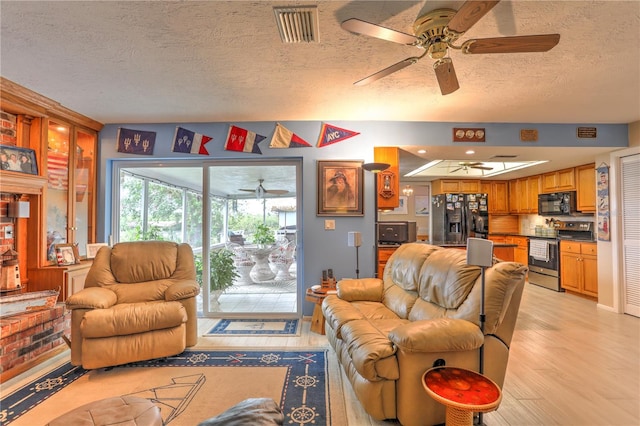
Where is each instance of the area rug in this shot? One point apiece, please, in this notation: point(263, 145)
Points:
point(189, 387)
point(255, 327)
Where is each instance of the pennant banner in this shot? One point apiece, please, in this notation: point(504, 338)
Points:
point(331, 134)
point(285, 138)
point(242, 140)
point(136, 141)
point(190, 142)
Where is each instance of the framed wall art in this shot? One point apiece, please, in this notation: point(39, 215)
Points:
point(340, 188)
point(403, 206)
point(67, 254)
point(16, 159)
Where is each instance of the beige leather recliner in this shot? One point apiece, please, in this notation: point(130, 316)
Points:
point(139, 303)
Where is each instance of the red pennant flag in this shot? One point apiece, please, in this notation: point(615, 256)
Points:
point(331, 134)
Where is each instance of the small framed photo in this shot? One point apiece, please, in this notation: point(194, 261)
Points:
point(402, 206)
point(16, 159)
point(340, 188)
point(67, 254)
point(92, 249)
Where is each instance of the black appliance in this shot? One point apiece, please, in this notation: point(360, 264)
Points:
point(456, 217)
point(396, 232)
point(557, 203)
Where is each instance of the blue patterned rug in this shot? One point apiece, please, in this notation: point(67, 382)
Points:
point(256, 327)
point(188, 388)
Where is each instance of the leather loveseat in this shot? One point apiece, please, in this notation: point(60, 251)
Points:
point(425, 310)
point(139, 303)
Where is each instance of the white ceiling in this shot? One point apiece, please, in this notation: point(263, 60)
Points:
point(218, 61)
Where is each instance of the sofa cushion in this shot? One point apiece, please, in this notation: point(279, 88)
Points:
point(127, 267)
point(338, 312)
point(446, 279)
point(369, 347)
point(132, 318)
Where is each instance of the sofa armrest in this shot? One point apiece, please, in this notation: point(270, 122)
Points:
point(182, 289)
point(363, 289)
point(437, 335)
point(92, 298)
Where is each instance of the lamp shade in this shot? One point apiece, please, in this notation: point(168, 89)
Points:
point(375, 167)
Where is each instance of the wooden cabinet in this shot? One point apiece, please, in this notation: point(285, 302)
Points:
point(388, 181)
point(523, 195)
point(462, 186)
point(384, 253)
point(498, 196)
point(70, 279)
point(579, 267)
point(65, 144)
point(521, 252)
point(560, 180)
point(586, 188)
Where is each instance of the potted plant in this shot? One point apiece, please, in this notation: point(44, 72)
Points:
point(263, 236)
point(222, 273)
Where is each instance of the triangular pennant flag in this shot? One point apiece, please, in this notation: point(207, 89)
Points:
point(331, 134)
point(243, 140)
point(189, 142)
point(285, 138)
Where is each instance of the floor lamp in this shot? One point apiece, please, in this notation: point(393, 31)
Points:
point(480, 253)
point(375, 168)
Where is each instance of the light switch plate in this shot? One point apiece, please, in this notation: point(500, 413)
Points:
point(329, 224)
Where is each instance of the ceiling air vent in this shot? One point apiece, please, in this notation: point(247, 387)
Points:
point(502, 157)
point(297, 24)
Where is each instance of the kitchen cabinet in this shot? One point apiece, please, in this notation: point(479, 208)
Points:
point(384, 253)
point(579, 267)
point(523, 195)
point(586, 188)
point(559, 180)
point(498, 196)
point(521, 252)
point(461, 186)
point(70, 278)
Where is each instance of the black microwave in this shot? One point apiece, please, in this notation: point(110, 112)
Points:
point(557, 203)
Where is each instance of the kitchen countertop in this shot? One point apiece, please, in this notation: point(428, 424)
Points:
point(450, 244)
point(542, 237)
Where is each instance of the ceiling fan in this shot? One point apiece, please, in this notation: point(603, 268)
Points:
point(260, 191)
point(436, 31)
point(465, 165)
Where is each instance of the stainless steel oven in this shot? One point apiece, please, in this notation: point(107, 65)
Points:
point(544, 263)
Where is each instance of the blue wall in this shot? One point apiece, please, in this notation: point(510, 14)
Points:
point(328, 249)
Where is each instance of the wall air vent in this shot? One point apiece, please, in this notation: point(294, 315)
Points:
point(297, 24)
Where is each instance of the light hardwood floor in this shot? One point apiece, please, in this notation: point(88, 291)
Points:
point(570, 364)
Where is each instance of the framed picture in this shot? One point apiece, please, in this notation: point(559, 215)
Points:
point(16, 159)
point(402, 206)
point(340, 188)
point(92, 249)
point(67, 254)
point(422, 203)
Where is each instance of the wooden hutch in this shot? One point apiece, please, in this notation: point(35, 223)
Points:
point(61, 196)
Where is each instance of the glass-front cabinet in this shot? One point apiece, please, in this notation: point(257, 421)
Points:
point(70, 169)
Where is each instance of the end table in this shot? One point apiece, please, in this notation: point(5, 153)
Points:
point(462, 391)
point(317, 320)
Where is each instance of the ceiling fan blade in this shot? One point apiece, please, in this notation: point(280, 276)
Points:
point(276, 191)
point(481, 167)
point(517, 44)
point(470, 13)
point(359, 26)
point(455, 170)
point(446, 75)
point(247, 190)
point(385, 72)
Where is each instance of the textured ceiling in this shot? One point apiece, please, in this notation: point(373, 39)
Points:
point(132, 62)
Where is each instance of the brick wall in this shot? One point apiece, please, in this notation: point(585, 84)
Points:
point(26, 336)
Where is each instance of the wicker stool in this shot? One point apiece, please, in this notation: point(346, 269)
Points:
point(463, 392)
point(112, 411)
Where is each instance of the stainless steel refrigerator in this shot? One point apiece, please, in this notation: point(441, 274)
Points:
point(455, 217)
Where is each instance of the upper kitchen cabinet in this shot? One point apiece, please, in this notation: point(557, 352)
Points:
point(498, 195)
point(560, 180)
point(458, 186)
point(586, 188)
point(523, 195)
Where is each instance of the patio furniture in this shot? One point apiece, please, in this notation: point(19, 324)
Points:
point(281, 259)
point(243, 263)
